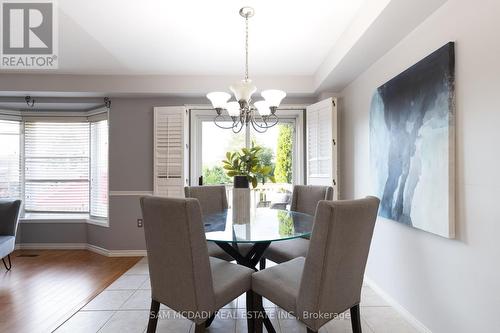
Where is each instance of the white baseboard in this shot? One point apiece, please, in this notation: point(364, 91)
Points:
point(81, 246)
point(398, 307)
point(51, 246)
point(116, 253)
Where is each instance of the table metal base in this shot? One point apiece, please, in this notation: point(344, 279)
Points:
point(250, 260)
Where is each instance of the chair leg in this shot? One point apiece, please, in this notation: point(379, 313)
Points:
point(210, 320)
point(153, 316)
point(200, 328)
point(261, 316)
point(10, 264)
point(262, 264)
point(355, 319)
point(250, 312)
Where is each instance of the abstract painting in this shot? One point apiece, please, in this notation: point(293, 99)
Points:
point(412, 144)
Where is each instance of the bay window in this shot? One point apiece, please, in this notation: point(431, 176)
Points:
point(56, 166)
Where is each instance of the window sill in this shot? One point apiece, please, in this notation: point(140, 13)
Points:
point(101, 222)
point(62, 218)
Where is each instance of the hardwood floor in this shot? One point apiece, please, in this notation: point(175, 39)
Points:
point(45, 287)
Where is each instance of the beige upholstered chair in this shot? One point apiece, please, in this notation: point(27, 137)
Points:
point(183, 276)
point(305, 198)
point(328, 281)
point(213, 199)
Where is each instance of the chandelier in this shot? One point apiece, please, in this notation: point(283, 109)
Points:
point(243, 112)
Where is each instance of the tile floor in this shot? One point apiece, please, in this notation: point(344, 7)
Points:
point(124, 307)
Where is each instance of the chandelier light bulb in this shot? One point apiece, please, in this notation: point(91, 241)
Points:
point(243, 90)
point(273, 97)
point(233, 108)
point(263, 108)
point(218, 99)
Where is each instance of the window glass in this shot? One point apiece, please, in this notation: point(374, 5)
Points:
point(278, 144)
point(56, 167)
point(10, 163)
point(99, 168)
point(215, 143)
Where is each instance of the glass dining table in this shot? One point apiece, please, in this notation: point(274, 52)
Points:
point(265, 226)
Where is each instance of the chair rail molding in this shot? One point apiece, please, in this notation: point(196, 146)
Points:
point(129, 193)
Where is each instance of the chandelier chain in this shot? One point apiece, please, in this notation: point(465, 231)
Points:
point(246, 48)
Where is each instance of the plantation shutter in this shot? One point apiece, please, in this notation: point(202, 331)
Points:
point(321, 135)
point(99, 168)
point(10, 159)
point(170, 151)
point(56, 166)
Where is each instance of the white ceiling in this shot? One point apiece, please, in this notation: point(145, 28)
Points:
point(198, 37)
point(190, 47)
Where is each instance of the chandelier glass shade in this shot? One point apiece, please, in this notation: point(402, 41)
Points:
point(242, 111)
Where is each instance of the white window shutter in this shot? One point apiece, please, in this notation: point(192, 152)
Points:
point(321, 135)
point(170, 151)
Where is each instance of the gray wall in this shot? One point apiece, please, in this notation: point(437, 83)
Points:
point(52, 233)
point(130, 169)
point(451, 286)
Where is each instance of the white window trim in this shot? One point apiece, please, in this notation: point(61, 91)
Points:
point(96, 220)
point(200, 113)
point(87, 116)
point(58, 218)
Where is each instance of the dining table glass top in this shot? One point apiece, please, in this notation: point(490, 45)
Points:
point(264, 225)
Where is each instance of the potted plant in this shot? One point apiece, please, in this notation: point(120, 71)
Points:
point(246, 167)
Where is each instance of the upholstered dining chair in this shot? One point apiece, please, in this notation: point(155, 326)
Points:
point(305, 198)
point(182, 275)
point(9, 218)
point(328, 280)
point(213, 199)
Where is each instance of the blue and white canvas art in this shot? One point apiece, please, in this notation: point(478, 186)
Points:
point(412, 144)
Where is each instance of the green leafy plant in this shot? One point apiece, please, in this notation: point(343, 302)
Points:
point(247, 162)
point(215, 175)
point(286, 226)
point(283, 170)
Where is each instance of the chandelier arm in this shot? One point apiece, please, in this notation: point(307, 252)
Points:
point(256, 116)
point(235, 127)
point(217, 119)
point(258, 128)
point(262, 121)
point(268, 124)
point(274, 118)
